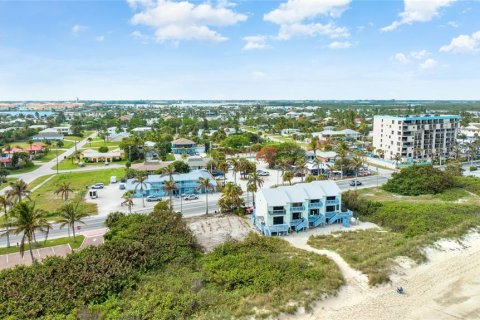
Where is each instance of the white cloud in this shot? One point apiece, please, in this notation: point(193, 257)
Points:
point(453, 24)
point(463, 44)
point(428, 64)
point(143, 38)
point(184, 20)
point(289, 31)
point(401, 57)
point(100, 38)
point(418, 11)
point(77, 29)
point(340, 45)
point(419, 54)
point(291, 17)
point(255, 42)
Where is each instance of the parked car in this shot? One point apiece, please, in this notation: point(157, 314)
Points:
point(97, 186)
point(122, 186)
point(113, 179)
point(153, 198)
point(190, 197)
point(263, 173)
point(354, 183)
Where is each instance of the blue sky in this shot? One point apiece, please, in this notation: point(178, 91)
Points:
point(288, 49)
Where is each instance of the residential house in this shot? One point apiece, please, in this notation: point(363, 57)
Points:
point(141, 129)
point(327, 156)
point(48, 135)
point(184, 146)
point(299, 207)
point(345, 134)
point(197, 162)
point(150, 167)
point(90, 155)
point(6, 155)
point(186, 183)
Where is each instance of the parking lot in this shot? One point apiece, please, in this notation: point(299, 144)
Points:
point(13, 259)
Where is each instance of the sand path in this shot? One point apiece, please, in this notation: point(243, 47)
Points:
point(447, 287)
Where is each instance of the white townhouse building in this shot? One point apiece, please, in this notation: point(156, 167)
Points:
point(305, 205)
point(415, 137)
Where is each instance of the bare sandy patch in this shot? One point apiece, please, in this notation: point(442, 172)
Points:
point(211, 231)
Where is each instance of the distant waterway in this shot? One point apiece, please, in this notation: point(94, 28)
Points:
point(31, 113)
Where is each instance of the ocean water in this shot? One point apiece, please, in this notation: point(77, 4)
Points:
point(28, 113)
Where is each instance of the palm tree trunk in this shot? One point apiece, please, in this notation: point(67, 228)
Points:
point(30, 249)
point(171, 203)
point(253, 194)
point(143, 199)
point(206, 201)
point(73, 231)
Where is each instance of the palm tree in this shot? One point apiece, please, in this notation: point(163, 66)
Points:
point(357, 163)
point(206, 185)
point(287, 177)
point(254, 182)
point(317, 161)
point(231, 197)
point(5, 203)
point(397, 159)
point(28, 219)
point(18, 190)
point(141, 183)
point(235, 162)
point(169, 187)
point(128, 200)
point(169, 170)
point(71, 213)
point(223, 167)
point(314, 145)
point(64, 190)
point(301, 168)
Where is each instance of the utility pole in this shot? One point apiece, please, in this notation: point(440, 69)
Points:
point(56, 153)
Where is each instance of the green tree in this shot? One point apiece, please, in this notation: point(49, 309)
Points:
point(231, 198)
point(140, 182)
point(64, 190)
point(71, 213)
point(128, 200)
point(4, 204)
point(18, 191)
point(254, 183)
point(205, 184)
point(28, 220)
point(287, 177)
point(169, 187)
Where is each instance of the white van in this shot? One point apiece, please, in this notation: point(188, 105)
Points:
point(113, 179)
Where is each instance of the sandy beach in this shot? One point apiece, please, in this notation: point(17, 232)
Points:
point(445, 287)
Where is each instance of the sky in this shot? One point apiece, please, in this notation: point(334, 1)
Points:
point(239, 49)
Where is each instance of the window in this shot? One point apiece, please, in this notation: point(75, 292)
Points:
point(277, 220)
point(296, 216)
point(331, 198)
point(330, 209)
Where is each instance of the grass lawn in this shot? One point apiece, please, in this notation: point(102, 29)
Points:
point(409, 222)
point(74, 138)
point(24, 170)
point(50, 243)
point(46, 199)
point(454, 194)
point(25, 144)
point(5, 184)
point(100, 143)
point(37, 181)
point(170, 157)
point(67, 164)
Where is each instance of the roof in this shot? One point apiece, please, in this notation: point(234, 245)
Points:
point(151, 165)
point(284, 195)
point(49, 134)
point(326, 154)
point(194, 175)
point(196, 161)
point(182, 141)
point(94, 153)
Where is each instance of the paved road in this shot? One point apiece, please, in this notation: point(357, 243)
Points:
point(46, 168)
point(189, 208)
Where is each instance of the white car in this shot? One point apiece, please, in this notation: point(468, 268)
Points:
point(190, 197)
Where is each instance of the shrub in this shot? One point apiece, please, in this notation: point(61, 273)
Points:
point(103, 149)
point(473, 168)
point(417, 180)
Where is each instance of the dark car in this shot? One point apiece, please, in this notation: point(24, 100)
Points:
point(354, 183)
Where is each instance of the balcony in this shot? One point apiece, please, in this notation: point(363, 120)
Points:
point(330, 202)
point(315, 205)
point(277, 212)
point(297, 208)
